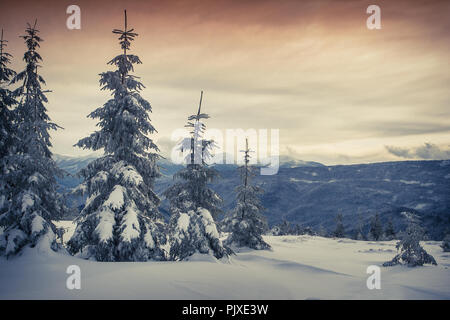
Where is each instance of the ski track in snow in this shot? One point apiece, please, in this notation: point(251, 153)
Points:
point(298, 267)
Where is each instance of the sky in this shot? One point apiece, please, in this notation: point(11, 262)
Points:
point(338, 92)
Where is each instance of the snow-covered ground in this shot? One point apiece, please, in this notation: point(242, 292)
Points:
point(298, 267)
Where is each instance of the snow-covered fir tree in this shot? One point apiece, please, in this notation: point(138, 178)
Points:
point(410, 252)
point(282, 229)
point(286, 228)
point(120, 220)
point(307, 231)
point(389, 233)
point(322, 232)
point(35, 201)
point(191, 191)
point(359, 233)
point(376, 229)
point(339, 232)
point(193, 205)
point(7, 100)
point(195, 231)
point(274, 231)
point(247, 224)
point(7, 130)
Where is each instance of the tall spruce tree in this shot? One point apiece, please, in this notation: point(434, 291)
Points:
point(247, 224)
point(322, 231)
point(339, 232)
point(193, 205)
point(358, 233)
point(192, 191)
point(376, 229)
point(389, 233)
point(34, 198)
point(7, 132)
point(120, 220)
point(284, 228)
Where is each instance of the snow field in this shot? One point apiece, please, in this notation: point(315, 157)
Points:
point(298, 267)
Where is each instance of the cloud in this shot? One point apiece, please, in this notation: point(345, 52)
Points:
point(309, 68)
point(399, 152)
point(389, 128)
point(428, 151)
point(165, 145)
point(432, 151)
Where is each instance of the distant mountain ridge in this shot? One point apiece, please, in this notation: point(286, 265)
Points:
point(311, 194)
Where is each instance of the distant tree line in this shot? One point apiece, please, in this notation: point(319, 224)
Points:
point(377, 231)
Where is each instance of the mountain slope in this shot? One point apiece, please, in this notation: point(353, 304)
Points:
point(312, 194)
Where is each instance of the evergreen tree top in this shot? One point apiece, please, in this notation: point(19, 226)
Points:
point(124, 119)
point(126, 35)
point(200, 148)
point(194, 121)
point(193, 192)
point(32, 41)
point(31, 113)
point(124, 62)
point(246, 171)
point(7, 100)
point(246, 152)
point(5, 73)
point(31, 79)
